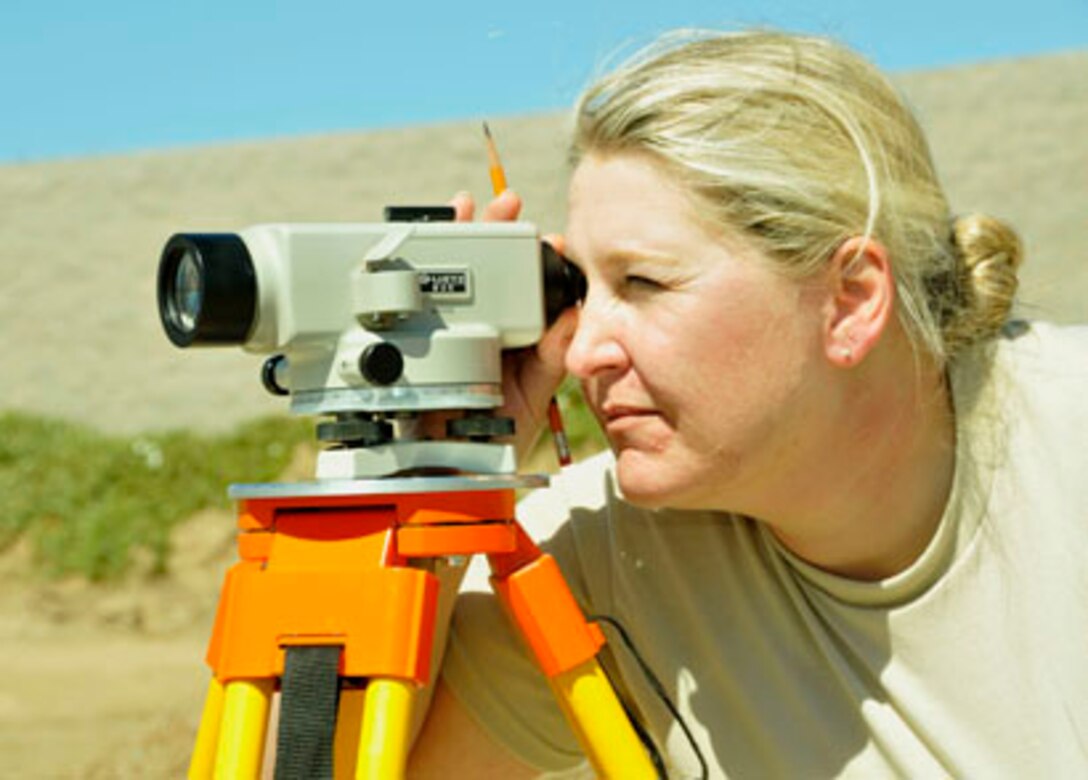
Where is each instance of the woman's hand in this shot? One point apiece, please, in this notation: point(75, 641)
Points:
point(531, 375)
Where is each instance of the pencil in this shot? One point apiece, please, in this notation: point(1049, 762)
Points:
point(498, 175)
point(555, 418)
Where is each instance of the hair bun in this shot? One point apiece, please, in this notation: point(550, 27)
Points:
point(989, 254)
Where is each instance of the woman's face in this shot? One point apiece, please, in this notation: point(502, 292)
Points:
point(694, 354)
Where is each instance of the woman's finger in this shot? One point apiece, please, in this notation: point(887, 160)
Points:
point(552, 347)
point(504, 208)
point(557, 242)
point(464, 206)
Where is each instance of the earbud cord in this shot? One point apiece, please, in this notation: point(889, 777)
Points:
point(659, 690)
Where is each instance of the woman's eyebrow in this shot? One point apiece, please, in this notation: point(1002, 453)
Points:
point(628, 253)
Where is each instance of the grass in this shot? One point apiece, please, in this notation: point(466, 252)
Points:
point(583, 433)
point(88, 504)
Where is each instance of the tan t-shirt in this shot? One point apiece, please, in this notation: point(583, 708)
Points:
point(971, 663)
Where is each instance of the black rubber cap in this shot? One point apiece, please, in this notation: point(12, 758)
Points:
point(564, 283)
point(381, 363)
point(207, 289)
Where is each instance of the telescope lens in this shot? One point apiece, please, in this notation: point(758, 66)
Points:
point(207, 289)
point(188, 291)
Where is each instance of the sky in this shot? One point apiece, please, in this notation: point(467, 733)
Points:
point(94, 78)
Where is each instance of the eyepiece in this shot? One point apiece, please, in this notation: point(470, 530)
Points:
point(564, 283)
point(207, 289)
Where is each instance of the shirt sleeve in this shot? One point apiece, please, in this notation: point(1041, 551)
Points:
point(489, 669)
point(491, 674)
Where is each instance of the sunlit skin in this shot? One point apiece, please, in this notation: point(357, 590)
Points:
point(723, 384)
point(690, 349)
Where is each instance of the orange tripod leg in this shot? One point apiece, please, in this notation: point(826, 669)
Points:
point(540, 603)
point(325, 570)
point(335, 570)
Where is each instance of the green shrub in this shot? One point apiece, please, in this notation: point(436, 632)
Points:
point(583, 433)
point(87, 502)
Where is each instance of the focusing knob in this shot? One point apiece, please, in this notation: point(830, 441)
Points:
point(381, 363)
point(355, 431)
point(480, 427)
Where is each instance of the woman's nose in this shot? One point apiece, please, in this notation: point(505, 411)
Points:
point(595, 348)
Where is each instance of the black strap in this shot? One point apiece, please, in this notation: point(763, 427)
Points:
point(311, 693)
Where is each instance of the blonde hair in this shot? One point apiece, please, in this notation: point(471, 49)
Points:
point(801, 143)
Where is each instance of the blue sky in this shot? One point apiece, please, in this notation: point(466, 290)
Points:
point(79, 78)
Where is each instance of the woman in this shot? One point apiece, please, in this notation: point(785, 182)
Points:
point(843, 514)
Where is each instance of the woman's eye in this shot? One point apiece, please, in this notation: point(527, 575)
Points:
point(641, 282)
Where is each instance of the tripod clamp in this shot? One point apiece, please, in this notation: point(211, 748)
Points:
point(341, 563)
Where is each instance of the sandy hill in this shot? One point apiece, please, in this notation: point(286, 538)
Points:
point(79, 334)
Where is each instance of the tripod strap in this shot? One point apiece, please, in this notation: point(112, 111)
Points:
point(311, 691)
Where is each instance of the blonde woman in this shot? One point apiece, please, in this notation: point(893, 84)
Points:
point(844, 515)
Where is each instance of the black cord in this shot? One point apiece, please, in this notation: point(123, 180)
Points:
point(643, 735)
point(661, 693)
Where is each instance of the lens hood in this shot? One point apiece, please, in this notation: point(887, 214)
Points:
point(207, 289)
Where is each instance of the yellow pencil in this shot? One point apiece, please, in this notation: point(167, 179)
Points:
point(555, 419)
point(498, 175)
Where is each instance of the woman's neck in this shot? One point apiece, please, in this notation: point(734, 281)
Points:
point(872, 500)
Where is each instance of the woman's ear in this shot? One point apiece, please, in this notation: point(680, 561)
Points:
point(861, 298)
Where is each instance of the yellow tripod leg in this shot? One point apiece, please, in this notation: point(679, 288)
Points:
point(387, 729)
point(349, 725)
point(242, 734)
point(207, 737)
point(594, 711)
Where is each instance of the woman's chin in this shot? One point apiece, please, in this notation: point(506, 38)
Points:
point(659, 480)
point(646, 481)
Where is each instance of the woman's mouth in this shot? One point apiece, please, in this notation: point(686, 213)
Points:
point(620, 417)
point(612, 411)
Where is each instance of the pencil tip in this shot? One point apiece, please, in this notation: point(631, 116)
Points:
point(487, 130)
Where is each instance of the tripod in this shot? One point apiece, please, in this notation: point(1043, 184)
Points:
point(337, 571)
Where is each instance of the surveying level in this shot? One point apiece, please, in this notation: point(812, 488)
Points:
point(333, 600)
